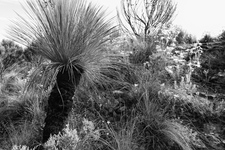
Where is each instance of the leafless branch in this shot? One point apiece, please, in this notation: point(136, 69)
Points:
point(145, 16)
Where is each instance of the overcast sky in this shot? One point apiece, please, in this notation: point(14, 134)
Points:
point(197, 17)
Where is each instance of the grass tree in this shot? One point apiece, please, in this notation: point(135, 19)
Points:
point(71, 34)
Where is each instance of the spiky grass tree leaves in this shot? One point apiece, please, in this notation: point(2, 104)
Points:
point(71, 34)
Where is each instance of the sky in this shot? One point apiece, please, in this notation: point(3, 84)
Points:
point(197, 17)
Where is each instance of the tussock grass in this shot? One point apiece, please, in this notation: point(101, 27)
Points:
point(21, 114)
point(157, 131)
point(124, 138)
point(21, 122)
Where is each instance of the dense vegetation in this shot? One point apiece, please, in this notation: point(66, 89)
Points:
point(124, 91)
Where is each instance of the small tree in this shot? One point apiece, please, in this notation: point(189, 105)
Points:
point(221, 37)
point(185, 38)
point(180, 37)
point(71, 34)
point(206, 39)
point(146, 17)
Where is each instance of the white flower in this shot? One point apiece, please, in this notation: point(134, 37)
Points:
point(69, 139)
point(71, 133)
point(16, 147)
point(135, 85)
point(88, 125)
point(89, 129)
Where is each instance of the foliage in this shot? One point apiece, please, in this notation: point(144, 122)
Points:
point(211, 73)
point(221, 37)
point(156, 131)
point(185, 38)
point(21, 114)
point(180, 38)
point(9, 47)
point(12, 54)
point(206, 39)
point(163, 116)
point(141, 53)
point(71, 49)
point(190, 39)
point(68, 141)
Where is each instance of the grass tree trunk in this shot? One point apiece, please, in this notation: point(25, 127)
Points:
point(60, 102)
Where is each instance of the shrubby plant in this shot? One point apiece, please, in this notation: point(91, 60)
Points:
point(183, 37)
point(68, 140)
point(20, 147)
point(71, 55)
point(221, 37)
point(206, 39)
